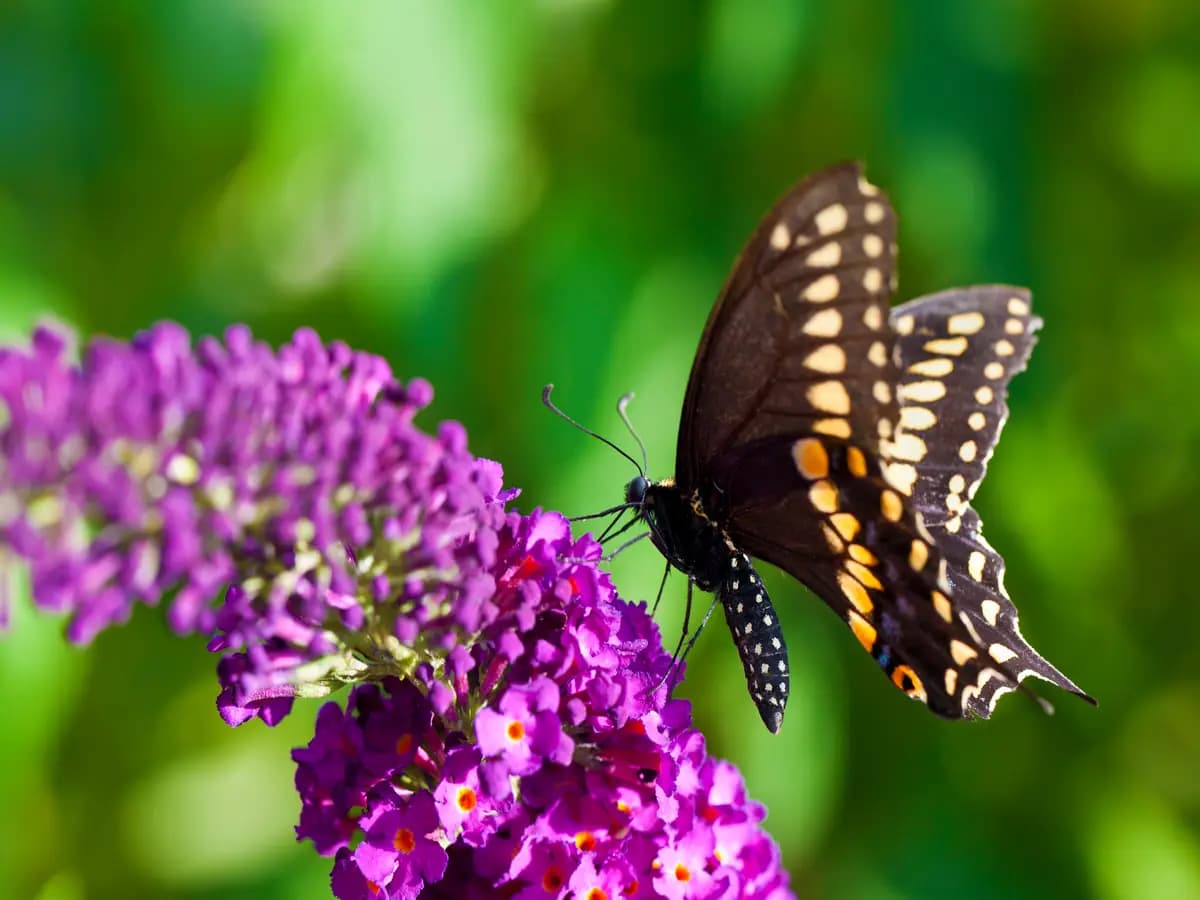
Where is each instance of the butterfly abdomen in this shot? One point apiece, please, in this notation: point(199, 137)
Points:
point(758, 637)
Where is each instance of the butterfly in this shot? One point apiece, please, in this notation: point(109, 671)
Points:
point(843, 443)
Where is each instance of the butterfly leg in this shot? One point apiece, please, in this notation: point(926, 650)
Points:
point(682, 650)
point(619, 508)
point(609, 557)
point(609, 531)
point(696, 634)
point(662, 585)
point(683, 633)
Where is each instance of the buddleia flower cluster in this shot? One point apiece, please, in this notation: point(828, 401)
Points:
point(506, 729)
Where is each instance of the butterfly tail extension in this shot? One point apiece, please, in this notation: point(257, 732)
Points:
point(976, 575)
point(759, 639)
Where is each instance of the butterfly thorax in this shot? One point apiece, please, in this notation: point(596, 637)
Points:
point(682, 531)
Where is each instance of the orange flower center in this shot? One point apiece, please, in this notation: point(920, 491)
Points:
point(404, 744)
point(515, 731)
point(552, 880)
point(585, 841)
point(596, 894)
point(466, 799)
point(682, 873)
point(630, 889)
point(404, 841)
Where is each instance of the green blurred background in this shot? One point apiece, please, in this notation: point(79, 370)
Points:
point(500, 195)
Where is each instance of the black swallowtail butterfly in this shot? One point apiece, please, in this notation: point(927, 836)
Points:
point(844, 444)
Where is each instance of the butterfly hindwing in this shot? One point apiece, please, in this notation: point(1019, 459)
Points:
point(956, 352)
point(873, 562)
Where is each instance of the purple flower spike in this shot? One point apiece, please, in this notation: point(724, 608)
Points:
point(507, 731)
point(194, 465)
point(554, 760)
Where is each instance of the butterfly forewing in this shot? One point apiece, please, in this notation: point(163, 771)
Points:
point(798, 343)
point(956, 351)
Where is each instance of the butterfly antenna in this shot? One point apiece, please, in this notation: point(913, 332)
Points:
point(549, 404)
point(623, 412)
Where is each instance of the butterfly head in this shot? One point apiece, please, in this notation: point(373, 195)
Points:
point(648, 496)
point(635, 491)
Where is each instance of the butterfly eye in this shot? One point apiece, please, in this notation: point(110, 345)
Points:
point(635, 491)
